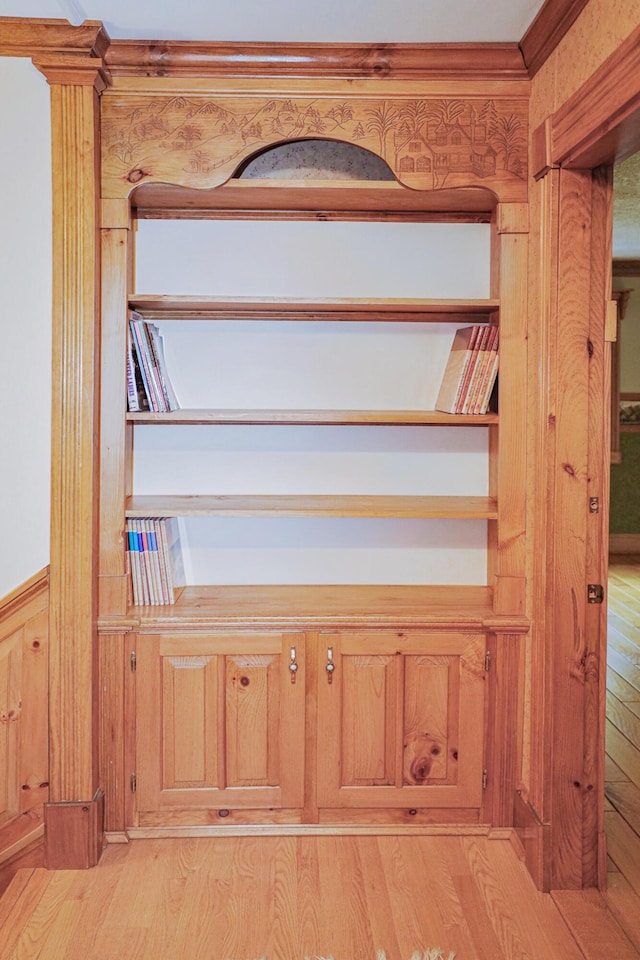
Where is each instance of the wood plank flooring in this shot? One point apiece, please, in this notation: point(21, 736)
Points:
point(622, 775)
point(353, 898)
point(288, 898)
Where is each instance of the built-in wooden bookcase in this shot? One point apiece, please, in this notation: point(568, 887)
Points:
point(315, 702)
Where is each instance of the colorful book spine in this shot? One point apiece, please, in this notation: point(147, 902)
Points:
point(155, 559)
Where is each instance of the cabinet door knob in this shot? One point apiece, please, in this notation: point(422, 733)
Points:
point(293, 666)
point(330, 667)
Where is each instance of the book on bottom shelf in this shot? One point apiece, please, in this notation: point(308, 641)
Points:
point(471, 371)
point(155, 560)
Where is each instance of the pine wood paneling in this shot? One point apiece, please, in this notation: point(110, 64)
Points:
point(600, 122)
point(508, 463)
point(24, 779)
point(570, 522)
point(401, 722)
point(115, 434)
point(552, 21)
point(219, 722)
point(190, 722)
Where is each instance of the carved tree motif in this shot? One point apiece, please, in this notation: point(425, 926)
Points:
point(509, 140)
point(428, 143)
point(381, 122)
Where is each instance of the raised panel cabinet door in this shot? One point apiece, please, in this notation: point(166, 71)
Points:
point(401, 720)
point(220, 721)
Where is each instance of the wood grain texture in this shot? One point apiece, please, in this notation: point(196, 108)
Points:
point(116, 681)
point(197, 138)
point(319, 200)
point(478, 508)
point(449, 607)
point(598, 485)
point(622, 777)
point(508, 462)
point(401, 720)
point(114, 440)
point(552, 22)
point(599, 122)
point(576, 657)
point(505, 680)
point(591, 923)
point(341, 897)
point(388, 61)
point(73, 674)
point(219, 723)
point(29, 36)
point(367, 310)
point(291, 417)
point(24, 779)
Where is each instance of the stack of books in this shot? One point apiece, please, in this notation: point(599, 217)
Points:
point(155, 560)
point(148, 383)
point(471, 371)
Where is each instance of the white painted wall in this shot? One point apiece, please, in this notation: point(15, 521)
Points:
point(25, 321)
point(340, 365)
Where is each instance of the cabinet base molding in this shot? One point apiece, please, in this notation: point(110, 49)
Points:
point(74, 833)
point(115, 836)
point(315, 830)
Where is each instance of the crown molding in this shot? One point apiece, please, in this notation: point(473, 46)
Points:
point(554, 19)
point(31, 37)
point(410, 61)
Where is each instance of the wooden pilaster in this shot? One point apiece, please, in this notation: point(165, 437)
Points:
point(74, 814)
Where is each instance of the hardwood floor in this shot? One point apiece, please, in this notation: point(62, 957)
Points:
point(348, 897)
point(289, 898)
point(622, 787)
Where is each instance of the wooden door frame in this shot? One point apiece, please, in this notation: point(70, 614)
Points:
point(573, 152)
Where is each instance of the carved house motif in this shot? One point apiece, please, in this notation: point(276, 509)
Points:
point(444, 148)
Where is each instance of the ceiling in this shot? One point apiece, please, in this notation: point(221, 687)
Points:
point(347, 21)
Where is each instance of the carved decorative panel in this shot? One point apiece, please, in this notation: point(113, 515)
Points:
point(200, 140)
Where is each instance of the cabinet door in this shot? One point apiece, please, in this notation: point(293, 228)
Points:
point(401, 722)
point(220, 721)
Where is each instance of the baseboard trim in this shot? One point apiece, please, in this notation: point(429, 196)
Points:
point(74, 833)
point(532, 833)
point(313, 830)
point(22, 595)
point(24, 839)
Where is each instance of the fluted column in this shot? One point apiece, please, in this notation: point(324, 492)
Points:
point(73, 816)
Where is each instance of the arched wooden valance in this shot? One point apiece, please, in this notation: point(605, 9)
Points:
point(199, 140)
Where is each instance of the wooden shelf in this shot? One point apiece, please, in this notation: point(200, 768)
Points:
point(315, 200)
point(320, 417)
point(463, 607)
point(160, 307)
point(467, 508)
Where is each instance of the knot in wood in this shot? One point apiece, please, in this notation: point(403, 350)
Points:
point(135, 176)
